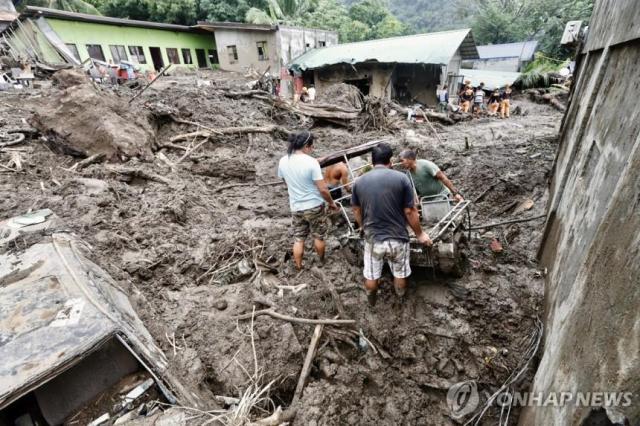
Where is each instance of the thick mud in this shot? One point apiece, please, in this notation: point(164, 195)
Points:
point(194, 251)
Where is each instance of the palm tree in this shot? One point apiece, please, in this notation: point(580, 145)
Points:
point(280, 11)
point(79, 6)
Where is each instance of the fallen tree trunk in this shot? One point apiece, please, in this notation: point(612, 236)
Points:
point(128, 174)
point(276, 315)
point(230, 131)
point(335, 113)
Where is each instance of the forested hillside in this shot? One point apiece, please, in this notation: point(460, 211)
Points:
point(433, 15)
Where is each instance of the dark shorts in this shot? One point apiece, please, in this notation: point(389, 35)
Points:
point(312, 221)
point(336, 192)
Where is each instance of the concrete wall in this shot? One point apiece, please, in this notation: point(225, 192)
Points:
point(83, 33)
point(592, 237)
point(283, 45)
point(246, 45)
point(294, 41)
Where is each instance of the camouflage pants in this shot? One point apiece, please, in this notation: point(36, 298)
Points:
point(313, 221)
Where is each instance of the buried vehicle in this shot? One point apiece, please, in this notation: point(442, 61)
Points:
point(443, 219)
point(71, 344)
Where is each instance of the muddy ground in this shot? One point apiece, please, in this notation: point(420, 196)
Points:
point(172, 235)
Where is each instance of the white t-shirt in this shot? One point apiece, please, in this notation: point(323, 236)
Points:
point(312, 93)
point(299, 172)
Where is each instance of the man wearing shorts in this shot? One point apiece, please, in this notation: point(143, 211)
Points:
point(383, 205)
point(308, 193)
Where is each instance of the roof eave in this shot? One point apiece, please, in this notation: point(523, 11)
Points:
point(32, 11)
point(240, 26)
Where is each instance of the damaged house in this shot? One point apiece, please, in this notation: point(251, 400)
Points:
point(260, 46)
point(408, 68)
point(57, 37)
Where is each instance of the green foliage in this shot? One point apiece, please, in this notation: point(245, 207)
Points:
point(369, 12)
point(390, 26)
point(539, 72)
point(505, 21)
point(130, 9)
point(355, 31)
point(332, 15)
point(365, 20)
point(423, 16)
point(79, 6)
point(184, 12)
point(284, 11)
point(229, 10)
point(499, 21)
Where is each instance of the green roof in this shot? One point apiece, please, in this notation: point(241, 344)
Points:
point(431, 48)
point(491, 79)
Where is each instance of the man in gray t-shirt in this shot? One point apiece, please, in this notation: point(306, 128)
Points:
point(383, 205)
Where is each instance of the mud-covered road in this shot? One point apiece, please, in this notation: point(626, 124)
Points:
point(173, 234)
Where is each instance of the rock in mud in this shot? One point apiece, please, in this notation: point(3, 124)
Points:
point(88, 121)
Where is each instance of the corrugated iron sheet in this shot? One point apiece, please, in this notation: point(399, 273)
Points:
point(523, 50)
point(56, 306)
point(491, 79)
point(431, 48)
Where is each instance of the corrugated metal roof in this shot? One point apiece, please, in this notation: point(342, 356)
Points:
point(431, 48)
point(56, 305)
point(491, 79)
point(96, 19)
point(523, 50)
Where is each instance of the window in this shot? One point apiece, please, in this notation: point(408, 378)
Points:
point(233, 54)
point(213, 57)
point(186, 56)
point(322, 43)
point(137, 54)
point(95, 52)
point(262, 51)
point(172, 53)
point(118, 53)
point(74, 50)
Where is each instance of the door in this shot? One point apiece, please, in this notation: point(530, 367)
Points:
point(202, 58)
point(156, 57)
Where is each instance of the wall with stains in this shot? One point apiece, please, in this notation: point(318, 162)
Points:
point(591, 247)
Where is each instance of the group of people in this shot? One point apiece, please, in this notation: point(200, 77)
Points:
point(474, 100)
point(383, 200)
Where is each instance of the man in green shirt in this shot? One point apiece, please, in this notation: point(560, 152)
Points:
point(428, 179)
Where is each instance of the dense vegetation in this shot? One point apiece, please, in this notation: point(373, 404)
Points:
point(493, 21)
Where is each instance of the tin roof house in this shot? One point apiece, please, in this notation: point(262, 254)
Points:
point(406, 68)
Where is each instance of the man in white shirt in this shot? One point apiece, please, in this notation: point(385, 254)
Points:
point(308, 194)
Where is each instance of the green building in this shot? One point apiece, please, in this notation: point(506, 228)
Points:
point(54, 37)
